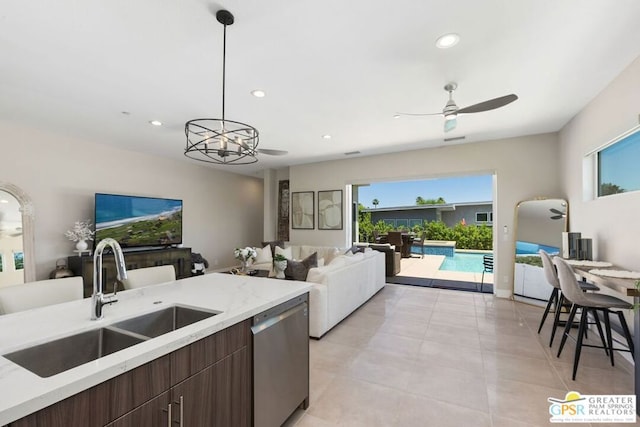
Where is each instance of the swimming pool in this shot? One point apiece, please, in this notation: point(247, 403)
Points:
point(469, 262)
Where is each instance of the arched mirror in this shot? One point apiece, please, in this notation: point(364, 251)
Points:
point(539, 225)
point(17, 254)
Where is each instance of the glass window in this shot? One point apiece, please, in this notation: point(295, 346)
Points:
point(402, 223)
point(482, 216)
point(618, 166)
point(391, 222)
point(414, 222)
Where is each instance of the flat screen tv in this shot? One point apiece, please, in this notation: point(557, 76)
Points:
point(135, 221)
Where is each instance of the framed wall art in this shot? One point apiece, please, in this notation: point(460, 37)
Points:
point(302, 210)
point(330, 210)
point(283, 210)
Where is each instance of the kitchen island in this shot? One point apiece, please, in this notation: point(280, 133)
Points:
point(236, 299)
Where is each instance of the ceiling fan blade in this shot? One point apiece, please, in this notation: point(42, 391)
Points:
point(418, 114)
point(450, 124)
point(557, 217)
point(271, 152)
point(491, 104)
point(556, 211)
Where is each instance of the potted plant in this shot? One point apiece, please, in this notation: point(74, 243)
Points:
point(246, 257)
point(279, 265)
point(80, 233)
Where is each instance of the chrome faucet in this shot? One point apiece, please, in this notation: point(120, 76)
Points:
point(99, 299)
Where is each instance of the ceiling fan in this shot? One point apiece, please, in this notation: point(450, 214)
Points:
point(451, 110)
point(558, 214)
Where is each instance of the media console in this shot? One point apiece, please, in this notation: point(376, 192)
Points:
point(180, 258)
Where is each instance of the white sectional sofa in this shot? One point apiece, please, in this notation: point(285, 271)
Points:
point(341, 285)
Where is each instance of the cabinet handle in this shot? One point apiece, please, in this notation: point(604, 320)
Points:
point(169, 417)
point(181, 404)
point(181, 410)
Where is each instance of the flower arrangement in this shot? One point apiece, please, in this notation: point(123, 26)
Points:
point(81, 231)
point(245, 254)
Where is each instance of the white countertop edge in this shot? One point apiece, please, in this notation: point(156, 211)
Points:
point(237, 297)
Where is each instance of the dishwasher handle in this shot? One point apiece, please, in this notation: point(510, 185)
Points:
point(270, 321)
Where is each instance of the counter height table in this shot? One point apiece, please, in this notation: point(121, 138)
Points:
point(628, 288)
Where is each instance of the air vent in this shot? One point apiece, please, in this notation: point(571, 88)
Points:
point(457, 138)
point(351, 153)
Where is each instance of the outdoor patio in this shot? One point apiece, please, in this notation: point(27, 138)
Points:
point(426, 272)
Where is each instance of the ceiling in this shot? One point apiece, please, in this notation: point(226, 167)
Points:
point(342, 68)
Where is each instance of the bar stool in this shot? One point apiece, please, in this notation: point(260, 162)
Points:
point(590, 302)
point(556, 299)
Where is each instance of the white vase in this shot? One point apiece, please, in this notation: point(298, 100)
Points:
point(279, 267)
point(82, 245)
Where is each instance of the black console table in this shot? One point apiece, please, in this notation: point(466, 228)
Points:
point(180, 258)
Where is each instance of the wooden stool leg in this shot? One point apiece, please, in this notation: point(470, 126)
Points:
point(581, 329)
point(553, 298)
point(567, 328)
point(627, 334)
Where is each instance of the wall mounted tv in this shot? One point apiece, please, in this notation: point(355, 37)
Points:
point(138, 221)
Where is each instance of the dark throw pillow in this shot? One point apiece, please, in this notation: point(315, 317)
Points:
point(298, 270)
point(354, 249)
point(273, 245)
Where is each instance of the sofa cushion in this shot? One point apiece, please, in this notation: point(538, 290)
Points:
point(264, 255)
point(285, 252)
point(298, 270)
point(273, 244)
point(326, 252)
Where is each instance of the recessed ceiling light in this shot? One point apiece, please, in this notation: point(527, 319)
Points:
point(396, 116)
point(326, 136)
point(4, 201)
point(447, 40)
point(156, 122)
point(258, 93)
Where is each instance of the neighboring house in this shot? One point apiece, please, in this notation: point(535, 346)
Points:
point(476, 213)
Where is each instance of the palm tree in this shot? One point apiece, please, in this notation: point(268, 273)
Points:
point(375, 202)
point(420, 200)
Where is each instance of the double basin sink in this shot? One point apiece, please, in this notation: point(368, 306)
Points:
point(54, 357)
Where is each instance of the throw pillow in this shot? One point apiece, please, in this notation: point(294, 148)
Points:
point(274, 244)
point(286, 252)
point(353, 250)
point(264, 255)
point(298, 270)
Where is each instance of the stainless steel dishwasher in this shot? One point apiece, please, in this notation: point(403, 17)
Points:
point(280, 362)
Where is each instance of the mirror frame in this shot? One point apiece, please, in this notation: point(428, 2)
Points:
point(515, 237)
point(28, 220)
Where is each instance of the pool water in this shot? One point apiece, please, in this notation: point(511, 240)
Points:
point(468, 262)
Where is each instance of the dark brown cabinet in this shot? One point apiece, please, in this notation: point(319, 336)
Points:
point(180, 258)
point(207, 383)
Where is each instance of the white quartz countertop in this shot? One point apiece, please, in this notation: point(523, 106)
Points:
point(236, 297)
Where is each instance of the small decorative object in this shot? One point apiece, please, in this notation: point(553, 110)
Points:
point(279, 265)
point(61, 270)
point(80, 233)
point(246, 257)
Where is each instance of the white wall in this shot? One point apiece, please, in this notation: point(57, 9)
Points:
point(222, 210)
point(611, 221)
point(526, 167)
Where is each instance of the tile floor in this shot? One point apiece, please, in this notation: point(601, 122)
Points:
point(430, 357)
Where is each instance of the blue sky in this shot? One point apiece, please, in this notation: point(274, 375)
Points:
point(477, 188)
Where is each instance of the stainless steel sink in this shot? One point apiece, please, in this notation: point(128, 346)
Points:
point(62, 354)
point(166, 320)
point(57, 356)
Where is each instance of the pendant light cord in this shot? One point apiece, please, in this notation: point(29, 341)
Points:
point(224, 66)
